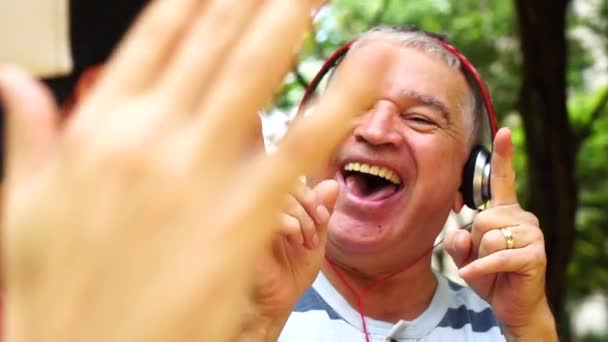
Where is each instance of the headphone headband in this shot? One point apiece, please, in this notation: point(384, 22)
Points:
point(468, 67)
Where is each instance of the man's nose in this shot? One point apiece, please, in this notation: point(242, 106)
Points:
point(379, 126)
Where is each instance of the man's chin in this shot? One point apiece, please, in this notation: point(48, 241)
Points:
point(350, 235)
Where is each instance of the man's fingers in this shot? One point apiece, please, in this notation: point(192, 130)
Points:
point(499, 217)
point(290, 228)
point(502, 179)
point(308, 199)
point(459, 245)
point(148, 45)
point(307, 225)
point(32, 119)
point(495, 239)
point(505, 261)
point(205, 51)
point(306, 213)
point(250, 76)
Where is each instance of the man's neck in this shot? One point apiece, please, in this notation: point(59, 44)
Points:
point(404, 296)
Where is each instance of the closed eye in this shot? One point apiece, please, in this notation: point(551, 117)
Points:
point(422, 120)
point(418, 119)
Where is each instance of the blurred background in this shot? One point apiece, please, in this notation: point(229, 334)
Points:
point(546, 64)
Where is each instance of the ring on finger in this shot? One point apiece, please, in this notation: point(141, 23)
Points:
point(509, 239)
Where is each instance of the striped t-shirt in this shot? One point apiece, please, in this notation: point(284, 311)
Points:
point(456, 313)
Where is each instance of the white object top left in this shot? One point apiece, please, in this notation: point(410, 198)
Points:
point(34, 34)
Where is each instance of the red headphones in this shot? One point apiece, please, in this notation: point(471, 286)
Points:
point(475, 185)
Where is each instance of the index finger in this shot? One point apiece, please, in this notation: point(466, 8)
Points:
point(502, 178)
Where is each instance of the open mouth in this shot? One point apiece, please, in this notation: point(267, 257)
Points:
point(371, 182)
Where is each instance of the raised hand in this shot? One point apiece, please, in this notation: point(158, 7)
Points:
point(293, 262)
point(140, 219)
point(503, 257)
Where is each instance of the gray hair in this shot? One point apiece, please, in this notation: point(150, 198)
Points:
point(474, 109)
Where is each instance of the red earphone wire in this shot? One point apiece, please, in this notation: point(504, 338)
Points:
point(361, 296)
point(468, 66)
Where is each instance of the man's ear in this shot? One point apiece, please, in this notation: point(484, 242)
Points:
point(458, 202)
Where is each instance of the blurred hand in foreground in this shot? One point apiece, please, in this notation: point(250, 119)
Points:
point(141, 218)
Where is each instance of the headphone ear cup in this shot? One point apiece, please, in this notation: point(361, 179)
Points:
point(475, 186)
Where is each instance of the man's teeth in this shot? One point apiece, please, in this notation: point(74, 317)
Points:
point(379, 171)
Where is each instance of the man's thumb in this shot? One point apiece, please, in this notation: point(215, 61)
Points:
point(31, 117)
point(327, 191)
point(459, 245)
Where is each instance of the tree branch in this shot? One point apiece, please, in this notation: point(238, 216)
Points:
point(299, 77)
point(596, 114)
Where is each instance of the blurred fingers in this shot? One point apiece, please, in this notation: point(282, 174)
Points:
point(32, 121)
point(149, 44)
point(254, 191)
point(351, 92)
point(249, 77)
point(214, 38)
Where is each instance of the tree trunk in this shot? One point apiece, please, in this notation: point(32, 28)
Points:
point(549, 140)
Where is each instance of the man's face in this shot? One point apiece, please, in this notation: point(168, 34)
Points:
point(414, 138)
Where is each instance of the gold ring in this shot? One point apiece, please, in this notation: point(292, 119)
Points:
point(508, 237)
